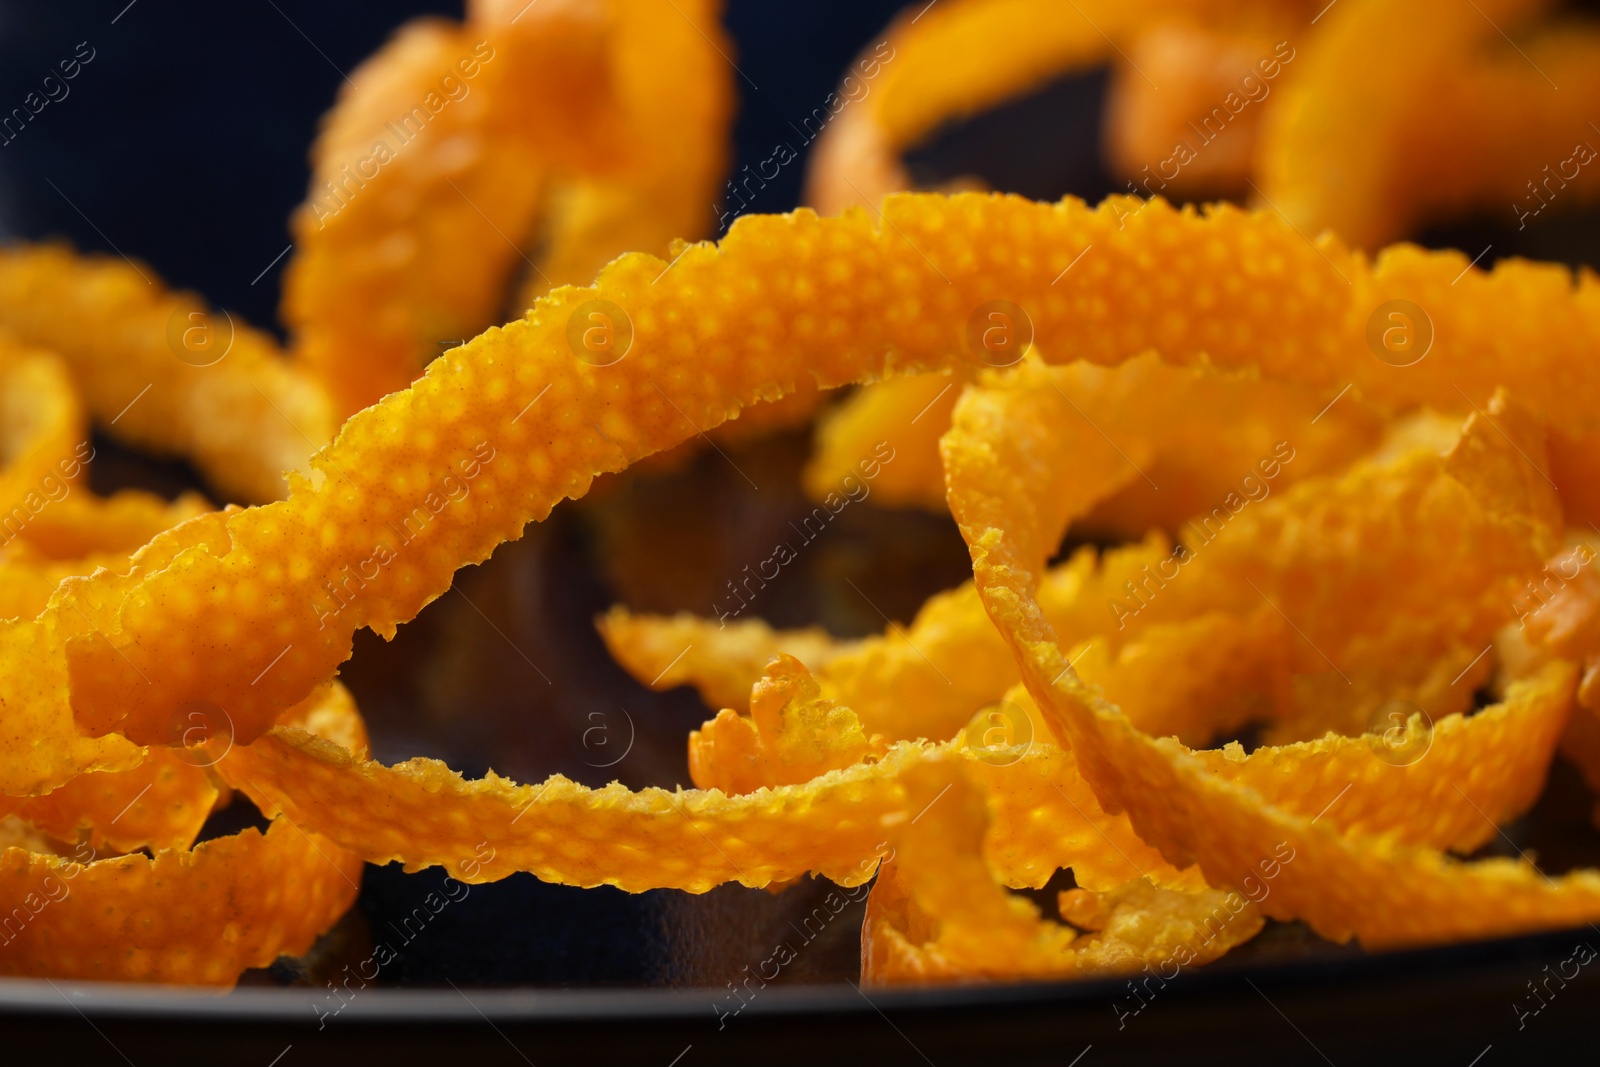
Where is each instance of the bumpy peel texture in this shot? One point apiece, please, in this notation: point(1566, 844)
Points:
point(498, 431)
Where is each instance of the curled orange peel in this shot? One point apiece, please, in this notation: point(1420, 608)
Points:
point(675, 121)
point(41, 748)
point(1559, 615)
point(189, 916)
point(163, 373)
point(160, 804)
point(955, 59)
point(936, 912)
point(790, 297)
point(793, 735)
point(196, 917)
point(909, 414)
point(760, 333)
point(1177, 798)
point(429, 175)
point(675, 126)
point(722, 662)
point(43, 435)
point(74, 533)
point(1464, 119)
point(1183, 114)
point(81, 526)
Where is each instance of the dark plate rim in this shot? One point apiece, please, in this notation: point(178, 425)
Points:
point(36, 996)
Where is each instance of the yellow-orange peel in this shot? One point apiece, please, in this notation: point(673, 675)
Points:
point(1180, 802)
point(191, 918)
point(427, 182)
point(164, 373)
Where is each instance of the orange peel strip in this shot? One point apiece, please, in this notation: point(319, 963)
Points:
point(677, 136)
point(722, 662)
point(1454, 117)
point(693, 840)
point(959, 58)
point(690, 840)
point(76, 533)
point(163, 373)
point(936, 912)
point(164, 801)
point(1140, 423)
point(160, 804)
point(838, 299)
point(41, 748)
point(43, 434)
point(195, 918)
point(1560, 615)
point(415, 812)
point(426, 173)
point(81, 525)
point(1461, 778)
point(910, 414)
point(1195, 136)
point(676, 128)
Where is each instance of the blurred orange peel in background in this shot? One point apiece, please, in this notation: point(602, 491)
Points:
point(1245, 98)
point(1353, 531)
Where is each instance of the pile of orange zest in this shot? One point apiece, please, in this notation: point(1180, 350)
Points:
point(498, 431)
point(1183, 802)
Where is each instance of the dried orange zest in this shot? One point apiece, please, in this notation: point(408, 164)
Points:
point(1188, 804)
point(194, 918)
point(427, 176)
point(936, 912)
point(500, 430)
point(721, 661)
point(162, 372)
point(837, 824)
point(676, 132)
point(1478, 113)
point(160, 804)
